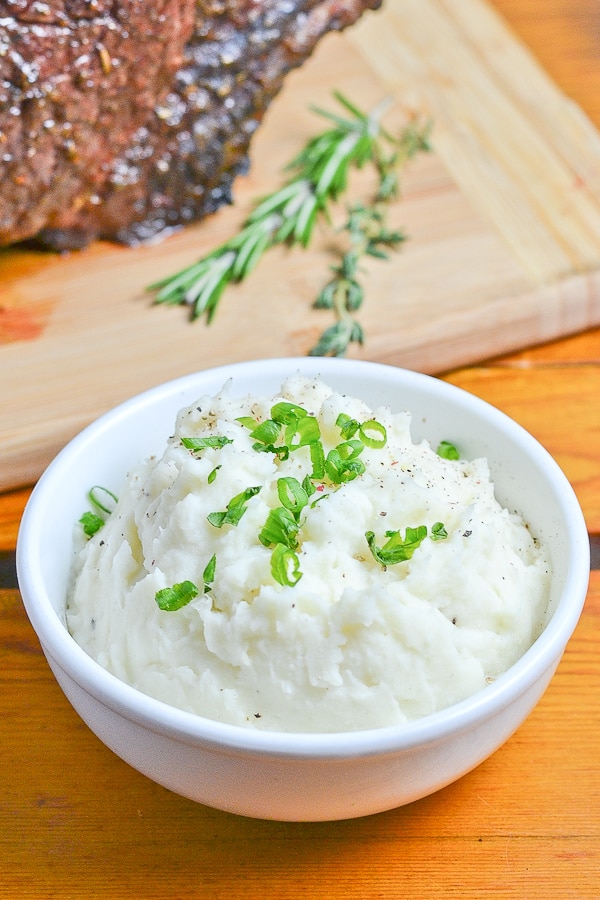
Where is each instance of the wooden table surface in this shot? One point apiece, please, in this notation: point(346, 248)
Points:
point(77, 822)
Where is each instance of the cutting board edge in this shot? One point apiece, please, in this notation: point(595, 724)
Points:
point(571, 306)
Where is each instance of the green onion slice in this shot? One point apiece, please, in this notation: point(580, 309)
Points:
point(267, 432)
point(98, 491)
point(170, 599)
point(292, 495)
point(373, 434)
point(235, 508)
point(347, 425)
point(91, 523)
point(285, 566)
point(281, 527)
point(286, 413)
point(397, 548)
point(438, 532)
point(447, 450)
point(302, 432)
point(208, 576)
point(201, 443)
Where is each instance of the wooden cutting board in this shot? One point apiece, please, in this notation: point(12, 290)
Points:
point(503, 221)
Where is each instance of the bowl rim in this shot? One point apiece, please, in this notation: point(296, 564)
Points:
point(63, 651)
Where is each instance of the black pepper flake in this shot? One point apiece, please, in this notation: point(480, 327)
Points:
point(467, 533)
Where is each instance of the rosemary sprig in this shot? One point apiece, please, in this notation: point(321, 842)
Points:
point(319, 176)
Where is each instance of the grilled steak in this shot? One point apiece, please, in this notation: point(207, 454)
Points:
point(124, 119)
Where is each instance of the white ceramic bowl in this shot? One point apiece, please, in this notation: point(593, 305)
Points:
point(301, 776)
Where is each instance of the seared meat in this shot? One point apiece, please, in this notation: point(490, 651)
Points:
point(124, 119)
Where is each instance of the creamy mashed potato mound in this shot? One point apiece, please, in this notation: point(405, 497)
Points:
point(353, 643)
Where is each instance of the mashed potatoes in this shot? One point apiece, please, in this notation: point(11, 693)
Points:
point(297, 563)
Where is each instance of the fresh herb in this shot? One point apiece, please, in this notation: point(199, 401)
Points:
point(319, 177)
point(213, 474)
point(371, 433)
point(235, 508)
point(266, 433)
point(292, 495)
point(399, 549)
point(103, 501)
point(286, 413)
point(342, 463)
point(368, 236)
point(201, 443)
point(438, 532)
point(447, 450)
point(91, 523)
point(108, 501)
point(347, 425)
point(280, 528)
point(289, 428)
point(208, 575)
point(170, 599)
point(285, 566)
point(280, 531)
point(294, 427)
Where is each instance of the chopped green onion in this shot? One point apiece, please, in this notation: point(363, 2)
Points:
point(247, 422)
point(308, 485)
point(212, 475)
point(201, 443)
point(93, 498)
point(341, 470)
point(347, 425)
point(285, 413)
point(317, 458)
point(438, 532)
point(350, 449)
point(267, 432)
point(170, 599)
point(235, 509)
point(304, 432)
point(208, 576)
point(447, 450)
point(91, 523)
point(397, 548)
point(373, 434)
point(281, 527)
point(285, 566)
point(292, 495)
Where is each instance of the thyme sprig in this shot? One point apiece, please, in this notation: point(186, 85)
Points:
point(369, 235)
point(319, 177)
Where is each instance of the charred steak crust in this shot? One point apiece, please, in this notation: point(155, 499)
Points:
point(126, 119)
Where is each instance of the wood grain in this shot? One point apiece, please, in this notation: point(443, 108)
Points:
point(78, 822)
point(545, 402)
point(503, 218)
point(519, 152)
